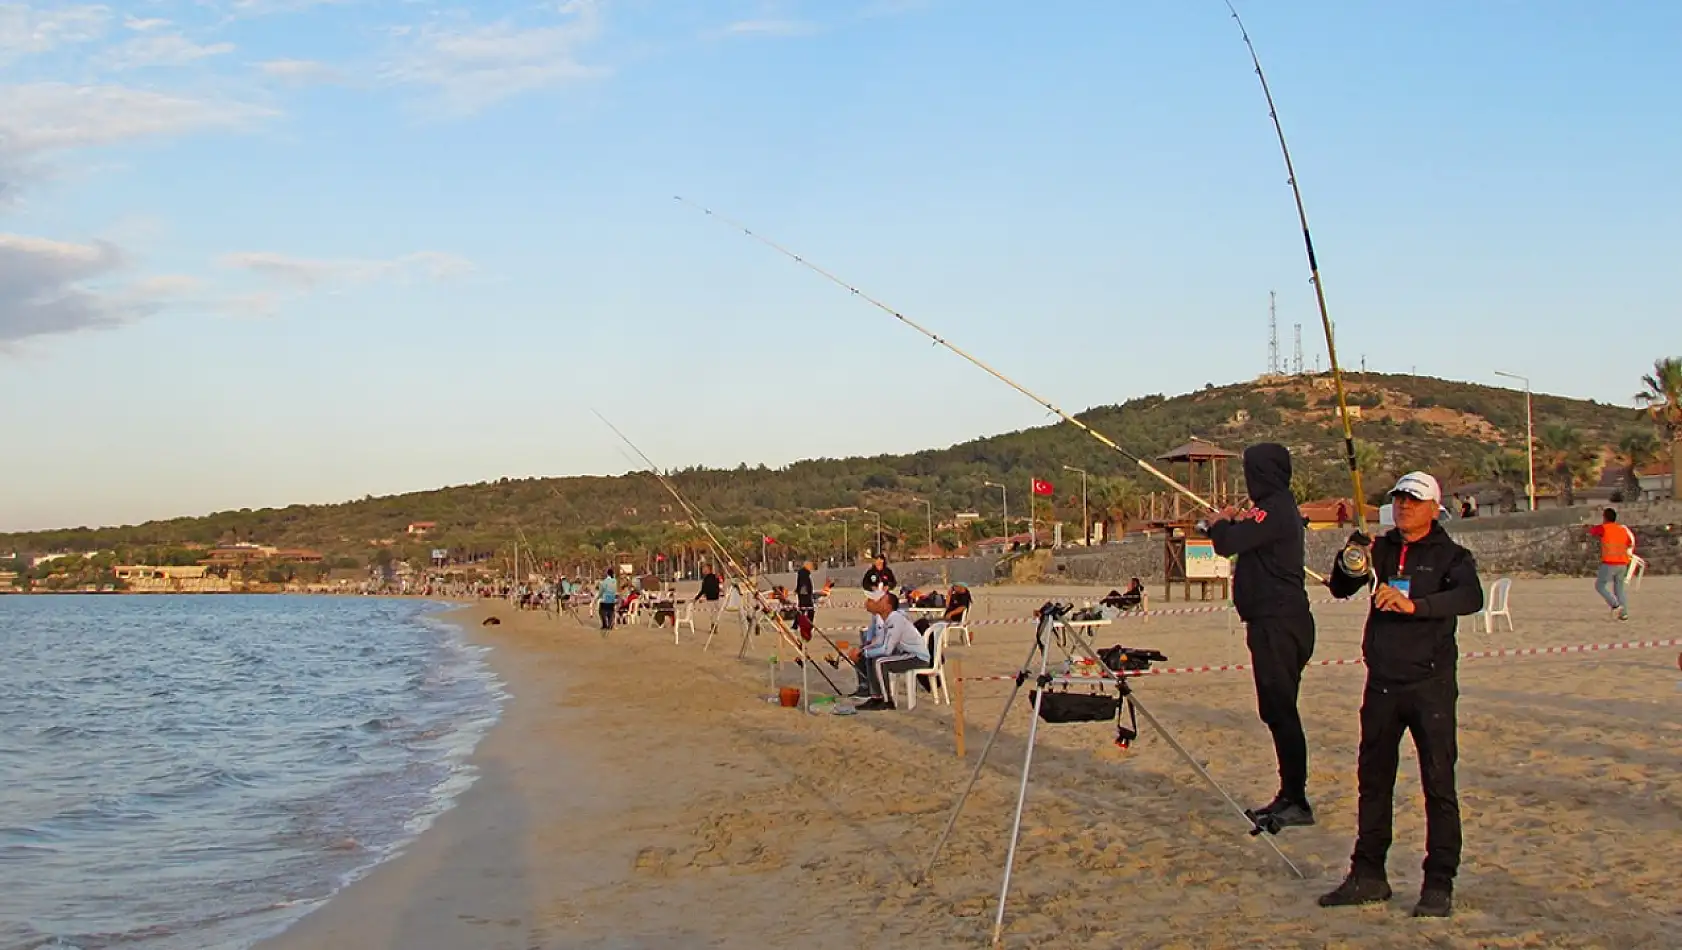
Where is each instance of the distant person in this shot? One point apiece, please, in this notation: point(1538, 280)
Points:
point(607, 599)
point(958, 603)
point(1270, 594)
point(805, 600)
point(1423, 583)
point(879, 575)
point(1342, 514)
point(1617, 544)
point(712, 588)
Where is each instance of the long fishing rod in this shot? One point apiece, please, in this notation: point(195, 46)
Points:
point(784, 633)
point(1101, 437)
point(1314, 278)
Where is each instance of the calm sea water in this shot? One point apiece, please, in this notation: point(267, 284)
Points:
point(196, 772)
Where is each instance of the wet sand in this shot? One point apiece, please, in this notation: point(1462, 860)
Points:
point(641, 794)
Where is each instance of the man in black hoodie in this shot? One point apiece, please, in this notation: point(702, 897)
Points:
point(1272, 600)
point(1424, 583)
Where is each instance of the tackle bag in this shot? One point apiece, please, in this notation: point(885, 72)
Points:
point(1076, 707)
point(1120, 658)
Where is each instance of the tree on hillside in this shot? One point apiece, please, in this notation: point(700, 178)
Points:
point(1570, 459)
point(1635, 450)
point(1660, 400)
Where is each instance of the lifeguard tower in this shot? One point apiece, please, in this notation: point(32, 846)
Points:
point(1206, 469)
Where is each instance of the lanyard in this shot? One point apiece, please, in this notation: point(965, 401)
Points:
point(1402, 561)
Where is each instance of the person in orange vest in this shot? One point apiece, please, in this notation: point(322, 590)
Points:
point(1617, 543)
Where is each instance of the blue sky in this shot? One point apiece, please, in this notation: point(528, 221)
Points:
point(266, 251)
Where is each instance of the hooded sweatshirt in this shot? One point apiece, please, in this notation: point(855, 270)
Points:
point(1268, 539)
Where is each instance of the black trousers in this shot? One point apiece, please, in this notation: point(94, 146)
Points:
point(1280, 647)
point(1428, 711)
point(607, 611)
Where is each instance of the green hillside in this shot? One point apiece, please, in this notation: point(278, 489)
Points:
point(1462, 432)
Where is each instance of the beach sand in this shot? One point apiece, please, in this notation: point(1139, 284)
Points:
point(639, 794)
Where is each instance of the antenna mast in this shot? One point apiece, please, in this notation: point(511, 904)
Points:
point(1272, 336)
point(1296, 356)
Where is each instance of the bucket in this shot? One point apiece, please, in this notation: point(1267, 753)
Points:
point(789, 696)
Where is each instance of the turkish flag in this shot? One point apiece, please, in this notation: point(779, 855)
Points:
point(770, 540)
point(1042, 488)
point(659, 557)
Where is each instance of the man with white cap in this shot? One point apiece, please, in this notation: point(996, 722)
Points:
point(899, 647)
point(1422, 583)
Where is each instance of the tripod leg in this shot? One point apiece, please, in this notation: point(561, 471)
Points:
point(1080, 640)
point(957, 809)
point(1021, 800)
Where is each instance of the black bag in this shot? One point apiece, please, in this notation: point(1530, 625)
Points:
point(1120, 658)
point(1076, 707)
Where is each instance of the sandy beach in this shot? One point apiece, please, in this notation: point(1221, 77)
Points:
point(641, 794)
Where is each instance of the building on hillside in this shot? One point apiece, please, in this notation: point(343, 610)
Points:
point(8, 581)
point(299, 555)
point(420, 528)
point(1656, 480)
point(237, 555)
point(1334, 512)
point(153, 579)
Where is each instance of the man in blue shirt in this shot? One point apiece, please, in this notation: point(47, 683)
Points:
point(608, 599)
point(900, 647)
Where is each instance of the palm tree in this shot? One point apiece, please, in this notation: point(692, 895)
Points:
point(1111, 501)
point(1569, 458)
point(1661, 401)
point(1636, 449)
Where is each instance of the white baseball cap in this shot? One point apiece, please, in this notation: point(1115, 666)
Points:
point(1419, 485)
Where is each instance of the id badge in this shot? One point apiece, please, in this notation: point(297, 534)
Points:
point(1403, 584)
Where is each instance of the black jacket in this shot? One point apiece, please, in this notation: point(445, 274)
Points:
point(803, 589)
point(874, 578)
point(1268, 539)
point(711, 587)
point(1404, 649)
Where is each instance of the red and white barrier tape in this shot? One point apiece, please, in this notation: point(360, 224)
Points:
point(1241, 667)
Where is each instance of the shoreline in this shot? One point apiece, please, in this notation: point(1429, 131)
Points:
point(637, 794)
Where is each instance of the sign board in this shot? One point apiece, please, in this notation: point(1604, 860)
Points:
point(1202, 563)
point(625, 567)
point(440, 554)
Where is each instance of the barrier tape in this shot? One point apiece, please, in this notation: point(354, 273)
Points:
point(1147, 614)
point(1241, 667)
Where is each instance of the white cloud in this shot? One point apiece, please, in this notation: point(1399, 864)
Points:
point(51, 287)
point(162, 49)
point(26, 30)
point(141, 26)
point(471, 68)
point(300, 72)
point(308, 274)
point(770, 27)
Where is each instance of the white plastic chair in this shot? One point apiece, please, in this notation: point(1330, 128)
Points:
point(961, 625)
point(1636, 570)
point(683, 615)
point(1496, 605)
point(935, 671)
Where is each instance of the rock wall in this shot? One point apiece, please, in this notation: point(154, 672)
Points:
point(1551, 541)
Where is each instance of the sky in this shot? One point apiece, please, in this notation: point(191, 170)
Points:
point(258, 252)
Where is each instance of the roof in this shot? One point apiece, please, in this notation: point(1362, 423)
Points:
point(1657, 468)
point(1196, 450)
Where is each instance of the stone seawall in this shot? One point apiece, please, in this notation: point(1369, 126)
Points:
point(1552, 541)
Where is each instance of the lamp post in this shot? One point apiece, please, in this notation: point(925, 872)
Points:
point(878, 515)
point(1004, 500)
point(1529, 438)
point(1085, 521)
point(929, 508)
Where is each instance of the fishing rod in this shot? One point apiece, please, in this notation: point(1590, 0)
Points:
point(1101, 437)
point(743, 578)
point(1319, 293)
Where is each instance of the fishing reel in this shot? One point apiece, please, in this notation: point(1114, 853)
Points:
point(1356, 556)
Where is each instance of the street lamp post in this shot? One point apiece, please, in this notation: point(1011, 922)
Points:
point(1085, 520)
point(929, 508)
point(878, 515)
point(1529, 438)
point(1004, 500)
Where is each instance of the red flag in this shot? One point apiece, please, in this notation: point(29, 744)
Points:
point(770, 540)
point(1042, 488)
point(659, 557)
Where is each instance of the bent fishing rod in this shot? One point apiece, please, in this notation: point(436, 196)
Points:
point(743, 578)
point(1314, 278)
point(1041, 400)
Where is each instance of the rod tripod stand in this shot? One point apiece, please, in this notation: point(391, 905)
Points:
point(1050, 619)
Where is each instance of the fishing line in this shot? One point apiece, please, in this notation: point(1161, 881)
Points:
point(1314, 278)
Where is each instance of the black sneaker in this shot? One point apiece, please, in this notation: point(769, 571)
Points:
point(875, 703)
point(1357, 889)
point(1279, 801)
point(1434, 902)
point(1282, 813)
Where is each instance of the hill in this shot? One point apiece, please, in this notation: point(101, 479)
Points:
point(1461, 431)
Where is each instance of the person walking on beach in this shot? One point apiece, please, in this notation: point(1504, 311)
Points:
point(1617, 545)
point(1270, 595)
point(711, 587)
point(879, 575)
point(607, 599)
point(1424, 584)
point(805, 600)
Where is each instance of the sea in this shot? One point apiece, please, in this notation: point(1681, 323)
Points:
point(200, 771)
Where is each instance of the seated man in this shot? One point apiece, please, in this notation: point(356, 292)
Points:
point(958, 603)
point(900, 648)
